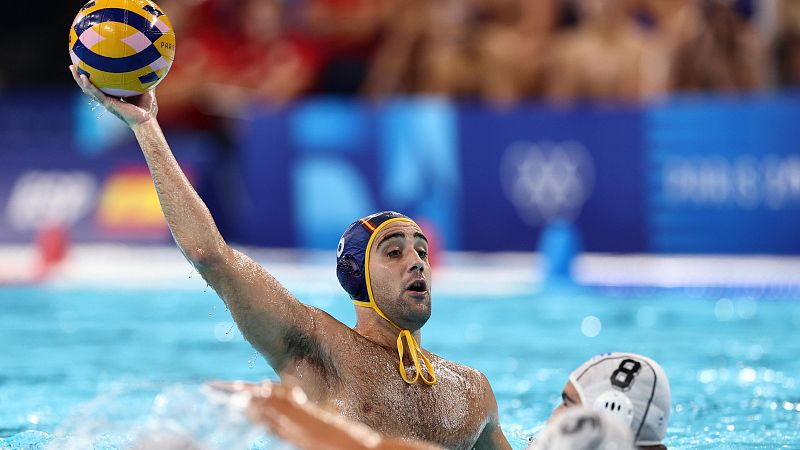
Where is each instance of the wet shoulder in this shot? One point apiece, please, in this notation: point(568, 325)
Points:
point(471, 378)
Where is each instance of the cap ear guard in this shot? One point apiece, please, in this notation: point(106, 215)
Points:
point(351, 277)
point(616, 404)
point(349, 266)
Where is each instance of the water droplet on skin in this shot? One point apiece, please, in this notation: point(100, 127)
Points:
point(94, 105)
point(251, 363)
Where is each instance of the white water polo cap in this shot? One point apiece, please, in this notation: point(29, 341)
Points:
point(631, 387)
point(584, 429)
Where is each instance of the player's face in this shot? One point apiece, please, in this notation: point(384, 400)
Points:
point(400, 274)
point(569, 399)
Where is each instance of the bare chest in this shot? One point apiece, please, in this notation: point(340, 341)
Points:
point(447, 413)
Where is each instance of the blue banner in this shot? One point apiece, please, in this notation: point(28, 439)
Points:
point(724, 176)
point(313, 169)
point(531, 166)
point(82, 172)
point(692, 175)
point(103, 199)
point(704, 175)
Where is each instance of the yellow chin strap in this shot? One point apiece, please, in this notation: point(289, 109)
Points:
point(405, 338)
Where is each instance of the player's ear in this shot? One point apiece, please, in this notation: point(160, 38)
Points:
point(349, 265)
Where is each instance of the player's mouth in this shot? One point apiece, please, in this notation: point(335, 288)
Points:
point(417, 288)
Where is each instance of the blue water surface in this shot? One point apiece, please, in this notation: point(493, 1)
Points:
point(100, 368)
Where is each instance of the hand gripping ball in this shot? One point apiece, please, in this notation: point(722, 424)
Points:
point(124, 47)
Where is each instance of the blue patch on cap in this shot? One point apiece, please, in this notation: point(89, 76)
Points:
point(351, 252)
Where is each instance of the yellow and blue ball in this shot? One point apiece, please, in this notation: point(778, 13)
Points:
point(124, 47)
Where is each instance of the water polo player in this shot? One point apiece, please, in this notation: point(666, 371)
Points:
point(375, 373)
point(584, 429)
point(631, 387)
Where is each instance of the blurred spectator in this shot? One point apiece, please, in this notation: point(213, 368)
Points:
point(257, 59)
point(605, 58)
point(179, 99)
point(345, 34)
point(231, 53)
point(671, 24)
point(787, 45)
point(442, 62)
point(492, 49)
point(787, 55)
point(790, 13)
point(422, 52)
point(723, 54)
point(512, 48)
point(499, 50)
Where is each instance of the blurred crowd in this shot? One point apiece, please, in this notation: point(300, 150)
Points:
point(231, 52)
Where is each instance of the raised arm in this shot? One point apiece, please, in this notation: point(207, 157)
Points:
point(268, 315)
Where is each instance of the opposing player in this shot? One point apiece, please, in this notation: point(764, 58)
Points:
point(584, 429)
point(631, 387)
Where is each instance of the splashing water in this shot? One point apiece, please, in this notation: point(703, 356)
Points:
point(28, 440)
point(138, 417)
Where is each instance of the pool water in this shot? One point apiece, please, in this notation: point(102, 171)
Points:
point(102, 368)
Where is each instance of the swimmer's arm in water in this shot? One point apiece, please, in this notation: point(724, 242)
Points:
point(287, 413)
point(268, 315)
point(492, 436)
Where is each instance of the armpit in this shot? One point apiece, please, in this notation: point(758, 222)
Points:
point(305, 345)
